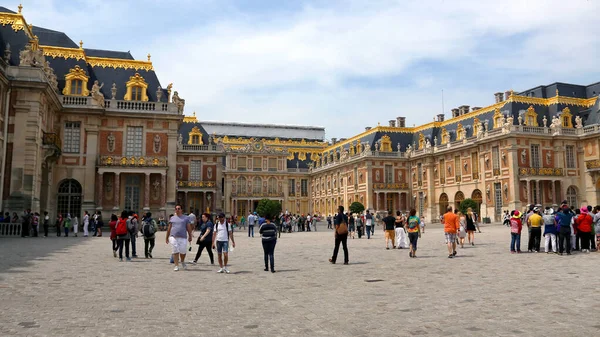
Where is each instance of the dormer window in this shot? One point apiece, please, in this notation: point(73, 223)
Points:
point(76, 83)
point(195, 139)
point(195, 136)
point(136, 89)
point(136, 93)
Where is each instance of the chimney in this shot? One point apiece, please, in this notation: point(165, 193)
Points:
point(440, 117)
point(499, 97)
point(392, 122)
point(507, 94)
point(463, 109)
point(367, 128)
point(342, 139)
point(454, 112)
point(475, 108)
point(333, 141)
point(401, 122)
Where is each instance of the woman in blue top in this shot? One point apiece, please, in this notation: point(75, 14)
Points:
point(205, 239)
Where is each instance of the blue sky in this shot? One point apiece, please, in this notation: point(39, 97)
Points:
point(343, 65)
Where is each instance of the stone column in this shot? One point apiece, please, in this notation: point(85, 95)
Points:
point(552, 192)
point(91, 155)
point(369, 189)
point(539, 193)
point(117, 189)
point(385, 201)
point(99, 195)
point(529, 194)
point(147, 192)
point(376, 201)
point(163, 195)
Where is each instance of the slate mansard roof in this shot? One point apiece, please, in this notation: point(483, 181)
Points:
point(106, 66)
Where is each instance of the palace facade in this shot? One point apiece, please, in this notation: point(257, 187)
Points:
point(89, 129)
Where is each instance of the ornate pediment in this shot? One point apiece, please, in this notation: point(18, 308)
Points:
point(257, 146)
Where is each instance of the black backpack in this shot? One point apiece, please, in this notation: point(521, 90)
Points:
point(148, 228)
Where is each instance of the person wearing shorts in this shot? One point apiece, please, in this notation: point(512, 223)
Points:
point(179, 225)
point(451, 226)
point(222, 233)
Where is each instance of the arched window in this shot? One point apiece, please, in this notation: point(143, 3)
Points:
point(572, 196)
point(566, 117)
point(443, 203)
point(478, 198)
point(272, 185)
point(257, 188)
point(136, 89)
point(69, 198)
point(76, 82)
point(458, 198)
point(241, 182)
point(195, 136)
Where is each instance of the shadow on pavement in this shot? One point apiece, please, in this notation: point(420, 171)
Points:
point(21, 252)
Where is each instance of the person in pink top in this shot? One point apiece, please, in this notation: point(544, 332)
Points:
point(515, 232)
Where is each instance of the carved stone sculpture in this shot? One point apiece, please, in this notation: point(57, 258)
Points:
point(110, 143)
point(548, 158)
point(52, 79)
point(113, 91)
point(487, 192)
point(97, 96)
point(408, 150)
point(520, 120)
point(545, 121)
point(486, 159)
point(480, 131)
point(159, 93)
point(427, 143)
point(523, 156)
point(179, 172)
point(398, 147)
point(179, 102)
point(465, 166)
point(435, 142)
point(505, 188)
point(156, 189)
point(157, 143)
point(556, 126)
point(179, 142)
point(578, 122)
point(377, 147)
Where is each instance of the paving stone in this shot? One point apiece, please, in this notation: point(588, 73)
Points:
point(74, 287)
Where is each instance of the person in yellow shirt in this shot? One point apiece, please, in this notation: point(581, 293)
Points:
point(535, 222)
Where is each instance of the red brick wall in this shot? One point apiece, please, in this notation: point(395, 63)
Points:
point(103, 144)
point(150, 144)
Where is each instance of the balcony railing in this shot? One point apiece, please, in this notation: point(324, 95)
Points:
point(195, 183)
point(52, 140)
point(199, 148)
point(555, 172)
point(132, 161)
point(592, 164)
point(390, 186)
point(257, 194)
point(119, 105)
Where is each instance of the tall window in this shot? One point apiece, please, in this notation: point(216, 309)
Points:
point(272, 164)
point(257, 185)
point(132, 193)
point(241, 164)
point(304, 187)
point(571, 196)
point(76, 86)
point(570, 153)
point(389, 174)
point(475, 165)
point(196, 170)
point(272, 185)
point(257, 164)
point(457, 168)
point(136, 93)
point(419, 174)
point(134, 141)
point(535, 155)
point(195, 139)
point(69, 198)
point(496, 160)
point(242, 184)
point(292, 186)
point(442, 171)
point(72, 137)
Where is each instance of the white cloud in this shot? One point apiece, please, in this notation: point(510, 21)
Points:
point(293, 67)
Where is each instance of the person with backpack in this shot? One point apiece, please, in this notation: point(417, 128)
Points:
point(67, 224)
point(584, 228)
point(516, 226)
point(133, 227)
point(149, 229)
point(413, 227)
point(222, 234)
point(550, 230)
point(179, 225)
point(268, 230)
point(122, 232)
point(564, 218)
point(205, 239)
point(341, 235)
point(113, 233)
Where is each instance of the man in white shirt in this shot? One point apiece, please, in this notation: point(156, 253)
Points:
point(251, 220)
point(192, 218)
point(308, 222)
point(222, 233)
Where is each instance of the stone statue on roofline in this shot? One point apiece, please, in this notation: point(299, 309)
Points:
point(113, 91)
point(578, 122)
point(427, 143)
point(159, 93)
point(97, 96)
point(480, 131)
point(179, 142)
point(179, 102)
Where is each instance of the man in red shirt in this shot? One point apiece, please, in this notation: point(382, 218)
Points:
point(451, 226)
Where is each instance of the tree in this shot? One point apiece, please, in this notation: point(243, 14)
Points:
point(268, 208)
point(468, 203)
point(357, 208)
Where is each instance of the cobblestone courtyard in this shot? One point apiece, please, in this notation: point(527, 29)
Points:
point(74, 287)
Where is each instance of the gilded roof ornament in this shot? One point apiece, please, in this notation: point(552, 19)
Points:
point(149, 57)
point(20, 8)
point(80, 44)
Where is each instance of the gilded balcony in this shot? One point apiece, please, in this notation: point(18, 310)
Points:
point(533, 171)
point(123, 161)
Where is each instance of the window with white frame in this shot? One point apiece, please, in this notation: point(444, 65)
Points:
point(196, 170)
point(535, 155)
point(570, 153)
point(72, 137)
point(389, 174)
point(304, 187)
point(133, 146)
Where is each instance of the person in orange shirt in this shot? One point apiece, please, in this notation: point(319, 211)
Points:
point(451, 225)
